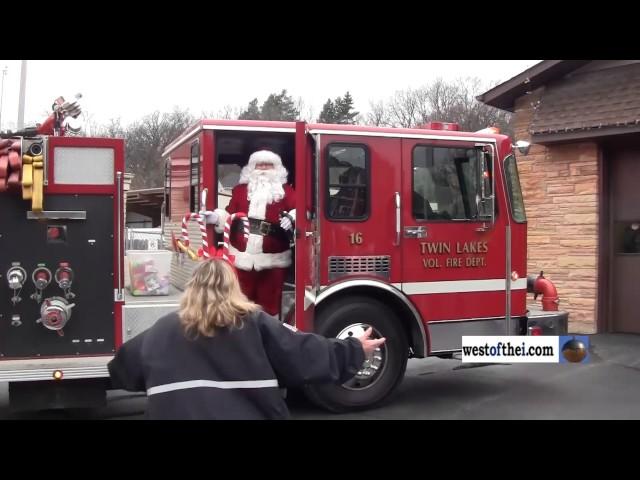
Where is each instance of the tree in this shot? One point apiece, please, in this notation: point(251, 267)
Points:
point(402, 108)
point(339, 111)
point(113, 129)
point(328, 113)
point(228, 112)
point(377, 115)
point(344, 110)
point(145, 140)
point(252, 112)
point(279, 107)
point(440, 101)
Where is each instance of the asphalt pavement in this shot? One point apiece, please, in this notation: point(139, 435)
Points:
point(608, 387)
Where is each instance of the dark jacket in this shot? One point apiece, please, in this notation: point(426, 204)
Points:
point(237, 374)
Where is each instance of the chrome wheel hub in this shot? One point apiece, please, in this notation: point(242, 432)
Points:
point(373, 366)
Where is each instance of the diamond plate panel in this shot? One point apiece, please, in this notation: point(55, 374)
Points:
point(138, 318)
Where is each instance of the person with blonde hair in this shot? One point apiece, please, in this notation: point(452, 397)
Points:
point(221, 357)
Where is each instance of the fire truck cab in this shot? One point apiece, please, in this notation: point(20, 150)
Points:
point(420, 233)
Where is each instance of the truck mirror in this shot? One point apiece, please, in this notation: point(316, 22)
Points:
point(523, 147)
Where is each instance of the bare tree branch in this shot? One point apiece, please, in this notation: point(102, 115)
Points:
point(377, 116)
point(440, 101)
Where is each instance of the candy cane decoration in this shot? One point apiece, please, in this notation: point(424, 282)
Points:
point(203, 231)
point(227, 231)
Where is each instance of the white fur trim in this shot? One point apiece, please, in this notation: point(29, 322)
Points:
point(265, 156)
point(292, 213)
point(222, 219)
point(260, 261)
point(243, 261)
point(254, 243)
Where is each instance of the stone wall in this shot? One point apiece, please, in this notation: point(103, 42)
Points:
point(560, 188)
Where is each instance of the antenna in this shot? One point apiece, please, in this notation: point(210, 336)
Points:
point(23, 86)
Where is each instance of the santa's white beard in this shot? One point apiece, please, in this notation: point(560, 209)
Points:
point(263, 188)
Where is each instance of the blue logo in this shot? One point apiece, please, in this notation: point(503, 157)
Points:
point(574, 349)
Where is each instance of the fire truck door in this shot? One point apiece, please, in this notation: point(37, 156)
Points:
point(306, 228)
point(453, 249)
point(360, 184)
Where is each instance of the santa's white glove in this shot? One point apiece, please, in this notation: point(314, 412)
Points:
point(211, 218)
point(285, 221)
point(221, 219)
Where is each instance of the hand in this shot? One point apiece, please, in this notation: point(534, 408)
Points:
point(370, 344)
point(285, 223)
point(211, 218)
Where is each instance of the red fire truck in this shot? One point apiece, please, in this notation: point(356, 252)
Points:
point(61, 262)
point(420, 233)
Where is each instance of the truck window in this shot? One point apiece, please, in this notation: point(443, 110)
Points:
point(194, 201)
point(513, 188)
point(347, 182)
point(445, 183)
point(228, 177)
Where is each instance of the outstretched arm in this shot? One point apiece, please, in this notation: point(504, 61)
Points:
point(126, 370)
point(300, 358)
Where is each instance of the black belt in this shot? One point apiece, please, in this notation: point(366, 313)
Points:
point(264, 228)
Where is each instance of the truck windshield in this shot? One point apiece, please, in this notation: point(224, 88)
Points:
point(513, 188)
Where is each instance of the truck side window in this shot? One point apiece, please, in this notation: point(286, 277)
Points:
point(194, 200)
point(347, 182)
point(445, 183)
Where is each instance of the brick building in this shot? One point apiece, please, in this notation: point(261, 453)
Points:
point(581, 182)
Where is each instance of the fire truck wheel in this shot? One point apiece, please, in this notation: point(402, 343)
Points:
point(382, 373)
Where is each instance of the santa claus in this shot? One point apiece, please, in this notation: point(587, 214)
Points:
point(262, 261)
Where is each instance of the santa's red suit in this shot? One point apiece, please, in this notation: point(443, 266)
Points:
point(263, 259)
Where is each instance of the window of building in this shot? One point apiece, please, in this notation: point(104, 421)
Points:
point(348, 179)
point(445, 183)
point(167, 187)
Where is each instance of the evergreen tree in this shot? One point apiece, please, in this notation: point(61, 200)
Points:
point(328, 113)
point(252, 112)
point(339, 111)
point(279, 107)
point(344, 110)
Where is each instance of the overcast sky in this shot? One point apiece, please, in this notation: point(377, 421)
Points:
point(131, 89)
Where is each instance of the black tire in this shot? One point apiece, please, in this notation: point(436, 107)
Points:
point(332, 320)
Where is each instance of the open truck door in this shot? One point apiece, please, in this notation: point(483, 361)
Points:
point(306, 228)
